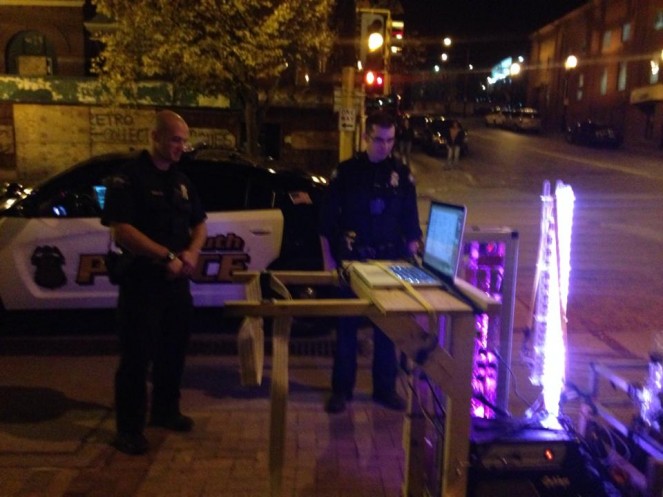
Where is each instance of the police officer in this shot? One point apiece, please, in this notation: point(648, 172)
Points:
point(154, 214)
point(370, 213)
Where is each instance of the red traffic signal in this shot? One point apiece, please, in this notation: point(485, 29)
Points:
point(374, 79)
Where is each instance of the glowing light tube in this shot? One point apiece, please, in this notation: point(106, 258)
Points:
point(547, 348)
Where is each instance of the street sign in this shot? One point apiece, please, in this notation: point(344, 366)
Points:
point(357, 99)
point(347, 119)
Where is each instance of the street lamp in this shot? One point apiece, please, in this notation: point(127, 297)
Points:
point(447, 42)
point(570, 63)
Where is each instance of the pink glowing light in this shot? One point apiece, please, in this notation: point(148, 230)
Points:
point(546, 352)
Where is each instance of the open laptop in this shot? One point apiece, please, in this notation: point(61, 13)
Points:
point(442, 250)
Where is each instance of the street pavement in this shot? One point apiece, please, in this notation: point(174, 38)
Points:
point(56, 412)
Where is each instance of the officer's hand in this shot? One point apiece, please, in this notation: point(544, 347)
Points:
point(174, 268)
point(189, 260)
point(414, 247)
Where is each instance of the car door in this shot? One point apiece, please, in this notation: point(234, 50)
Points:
point(52, 244)
point(238, 237)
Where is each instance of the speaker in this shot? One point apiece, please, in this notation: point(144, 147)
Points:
point(521, 459)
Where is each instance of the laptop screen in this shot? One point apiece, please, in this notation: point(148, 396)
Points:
point(444, 238)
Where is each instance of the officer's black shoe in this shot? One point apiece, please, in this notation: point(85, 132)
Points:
point(130, 443)
point(390, 400)
point(336, 403)
point(178, 422)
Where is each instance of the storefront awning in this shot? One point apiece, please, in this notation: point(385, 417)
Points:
point(646, 94)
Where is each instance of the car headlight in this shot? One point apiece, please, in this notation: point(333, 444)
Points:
point(439, 140)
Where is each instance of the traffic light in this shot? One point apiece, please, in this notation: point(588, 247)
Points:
point(396, 38)
point(374, 82)
point(373, 39)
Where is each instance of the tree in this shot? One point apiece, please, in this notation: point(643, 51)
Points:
point(237, 48)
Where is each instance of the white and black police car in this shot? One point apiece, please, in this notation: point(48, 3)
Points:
point(52, 244)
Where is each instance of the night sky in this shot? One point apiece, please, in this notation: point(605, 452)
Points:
point(492, 29)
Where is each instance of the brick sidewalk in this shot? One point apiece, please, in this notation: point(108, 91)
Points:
point(67, 455)
point(56, 415)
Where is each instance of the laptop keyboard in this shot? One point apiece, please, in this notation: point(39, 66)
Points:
point(412, 274)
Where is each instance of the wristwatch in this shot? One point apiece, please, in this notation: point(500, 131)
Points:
point(170, 256)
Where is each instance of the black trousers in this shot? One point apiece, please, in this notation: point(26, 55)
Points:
point(344, 370)
point(154, 317)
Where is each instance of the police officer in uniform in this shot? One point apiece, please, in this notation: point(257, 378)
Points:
point(156, 216)
point(370, 213)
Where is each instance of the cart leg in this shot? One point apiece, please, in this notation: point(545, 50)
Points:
point(279, 395)
point(414, 435)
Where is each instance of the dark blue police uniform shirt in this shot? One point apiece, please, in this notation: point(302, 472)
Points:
point(377, 201)
point(164, 205)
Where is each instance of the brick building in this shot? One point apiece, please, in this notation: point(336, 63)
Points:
point(42, 37)
point(618, 48)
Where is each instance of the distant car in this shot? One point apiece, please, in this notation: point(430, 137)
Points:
point(52, 244)
point(418, 123)
point(524, 120)
point(435, 141)
point(496, 117)
point(593, 134)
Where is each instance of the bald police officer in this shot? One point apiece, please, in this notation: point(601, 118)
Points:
point(154, 214)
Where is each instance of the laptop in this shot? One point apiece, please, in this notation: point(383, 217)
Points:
point(442, 250)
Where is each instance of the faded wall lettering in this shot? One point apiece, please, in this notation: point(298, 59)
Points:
point(119, 127)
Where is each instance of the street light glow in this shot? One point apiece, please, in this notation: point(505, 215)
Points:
point(446, 42)
point(571, 62)
point(514, 70)
point(444, 57)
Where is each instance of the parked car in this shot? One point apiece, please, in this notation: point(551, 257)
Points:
point(52, 244)
point(524, 120)
point(434, 139)
point(418, 123)
point(592, 133)
point(496, 117)
point(10, 192)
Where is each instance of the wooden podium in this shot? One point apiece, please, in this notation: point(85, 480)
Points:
point(434, 329)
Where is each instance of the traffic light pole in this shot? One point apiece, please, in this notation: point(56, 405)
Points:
point(347, 131)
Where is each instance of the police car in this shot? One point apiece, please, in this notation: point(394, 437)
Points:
point(52, 244)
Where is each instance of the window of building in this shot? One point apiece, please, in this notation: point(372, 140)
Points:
point(658, 20)
point(607, 38)
point(626, 32)
point(30, 53)
point(603, 85)
point(621, 76)
point(581, 87)
point(653, 74)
